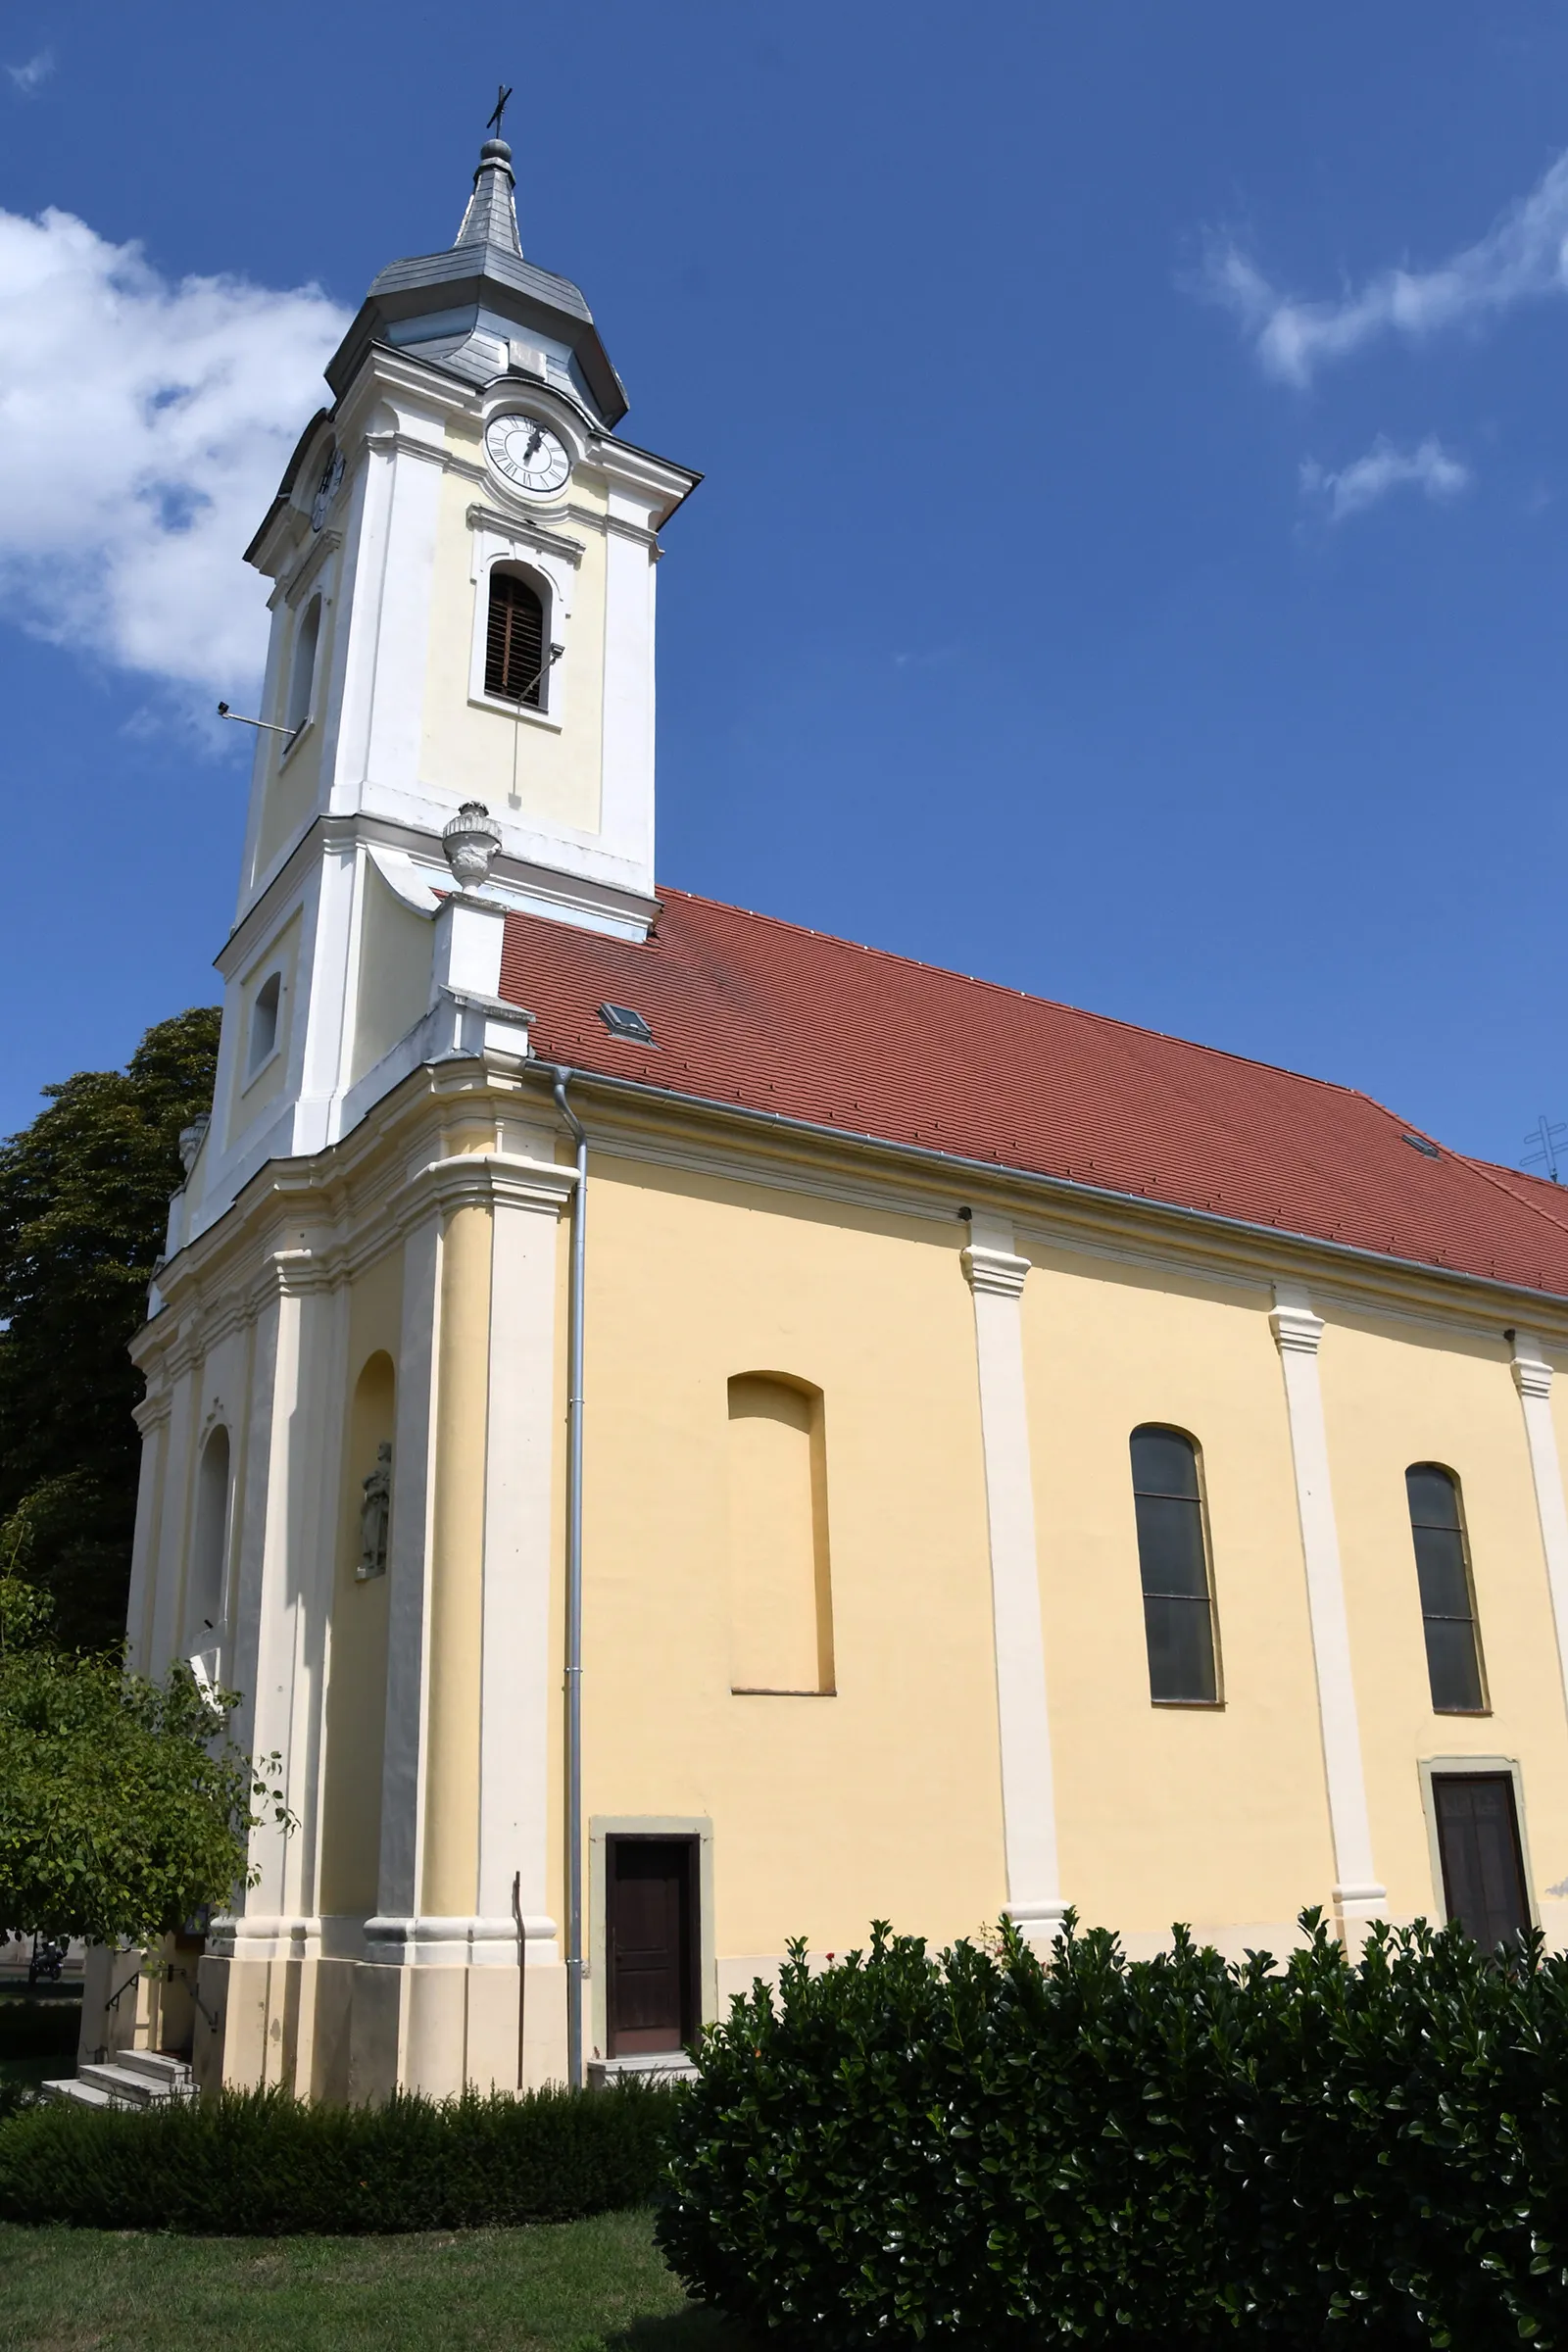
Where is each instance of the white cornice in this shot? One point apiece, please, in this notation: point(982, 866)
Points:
point(433, 453)
point(517, 525)
point(292, 585)
point(351, 1186)
point(1053, 1206)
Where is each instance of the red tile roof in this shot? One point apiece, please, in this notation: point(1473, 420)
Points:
point(753, 1012)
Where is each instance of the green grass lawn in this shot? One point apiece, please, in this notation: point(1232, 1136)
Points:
point(598, 2285)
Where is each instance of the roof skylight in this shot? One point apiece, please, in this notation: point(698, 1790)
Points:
point(622, 1022)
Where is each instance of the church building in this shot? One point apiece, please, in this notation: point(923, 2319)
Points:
point(686, 1432)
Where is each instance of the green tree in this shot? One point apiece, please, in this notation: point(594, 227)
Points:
point(124, 1809)
point(83, 1200)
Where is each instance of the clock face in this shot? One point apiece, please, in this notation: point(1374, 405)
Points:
point(527, 453)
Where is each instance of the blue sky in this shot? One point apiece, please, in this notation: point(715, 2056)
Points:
point(1133, 558)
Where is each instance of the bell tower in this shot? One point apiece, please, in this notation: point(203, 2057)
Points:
point(462, 556)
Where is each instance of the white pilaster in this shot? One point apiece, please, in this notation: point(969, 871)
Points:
point(315, 1452)
point(407, 513)
point(407, 1573)
point(519, 1674)
point(173, 1521)
point(1532, 1375)
point(465, 951)
point(327, 978)
point(272, 1601)
point(1359, 1893)
point(626, 789)
point(996, 1276)
point(152, 1419)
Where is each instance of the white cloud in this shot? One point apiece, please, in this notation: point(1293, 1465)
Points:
point(1523, 256)
point(1429, 468)
point(143, 428)
point(37, 69)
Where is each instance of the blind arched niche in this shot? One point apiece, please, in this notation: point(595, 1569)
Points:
point(209, 1550)
point(356, 1688)
point(781, 1597)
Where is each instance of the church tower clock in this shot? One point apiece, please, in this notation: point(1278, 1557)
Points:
point(462, 555)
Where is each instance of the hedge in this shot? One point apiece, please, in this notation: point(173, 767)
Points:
point(996, 2149)
point(40, 2029)
point(261, 2163)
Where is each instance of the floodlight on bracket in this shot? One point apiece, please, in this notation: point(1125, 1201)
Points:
point(271, 726)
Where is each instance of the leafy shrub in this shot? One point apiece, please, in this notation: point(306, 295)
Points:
point(260, 2163)
point(1001, 2150)
point(39, 2028)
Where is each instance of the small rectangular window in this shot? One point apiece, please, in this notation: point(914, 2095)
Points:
point(1447, 1604)
point(1173, 1562)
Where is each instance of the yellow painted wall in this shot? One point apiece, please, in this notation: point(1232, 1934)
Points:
point(1216, 1816)
point(1396, 1393)
point(519, 768)
point(828, 1810)
point(879, 1794)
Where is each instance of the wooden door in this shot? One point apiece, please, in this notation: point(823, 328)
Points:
point(1483, 1867)
point(651, 1943)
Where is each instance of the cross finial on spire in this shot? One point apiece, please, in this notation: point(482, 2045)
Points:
point(502, 96)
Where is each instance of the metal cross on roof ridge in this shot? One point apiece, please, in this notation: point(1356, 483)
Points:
point(502, 96)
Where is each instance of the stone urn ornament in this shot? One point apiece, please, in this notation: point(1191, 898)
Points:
point(471, 842)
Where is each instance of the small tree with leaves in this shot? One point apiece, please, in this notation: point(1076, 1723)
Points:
point(123, 1806)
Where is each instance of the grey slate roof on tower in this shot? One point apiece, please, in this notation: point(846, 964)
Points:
point(480, 311)
point(491, 218)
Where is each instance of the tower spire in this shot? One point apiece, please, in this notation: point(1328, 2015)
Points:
point(492, 214)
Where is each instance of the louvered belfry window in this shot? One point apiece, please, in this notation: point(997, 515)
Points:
point(514, 646)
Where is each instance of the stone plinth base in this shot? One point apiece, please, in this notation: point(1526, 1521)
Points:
point(356, 2029)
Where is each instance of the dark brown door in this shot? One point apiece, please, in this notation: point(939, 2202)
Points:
point(651, 1934)
point(1483, 1868)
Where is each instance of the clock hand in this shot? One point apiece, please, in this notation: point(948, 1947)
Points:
point(535, 443)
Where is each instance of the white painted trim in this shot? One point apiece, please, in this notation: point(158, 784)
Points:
point(1359, 1893)
point(996, 1276)
point(553, 576)
point(428, 1941)
point(1533, 1375)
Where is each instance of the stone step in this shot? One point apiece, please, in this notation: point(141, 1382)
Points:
point(71, 2093)
point(171, 2074)
point(650, 2066)
point(127, 2086)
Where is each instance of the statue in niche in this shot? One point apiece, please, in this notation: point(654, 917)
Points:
point(375, 1513)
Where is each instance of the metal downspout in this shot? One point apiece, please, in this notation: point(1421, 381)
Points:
point(574, 1323)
